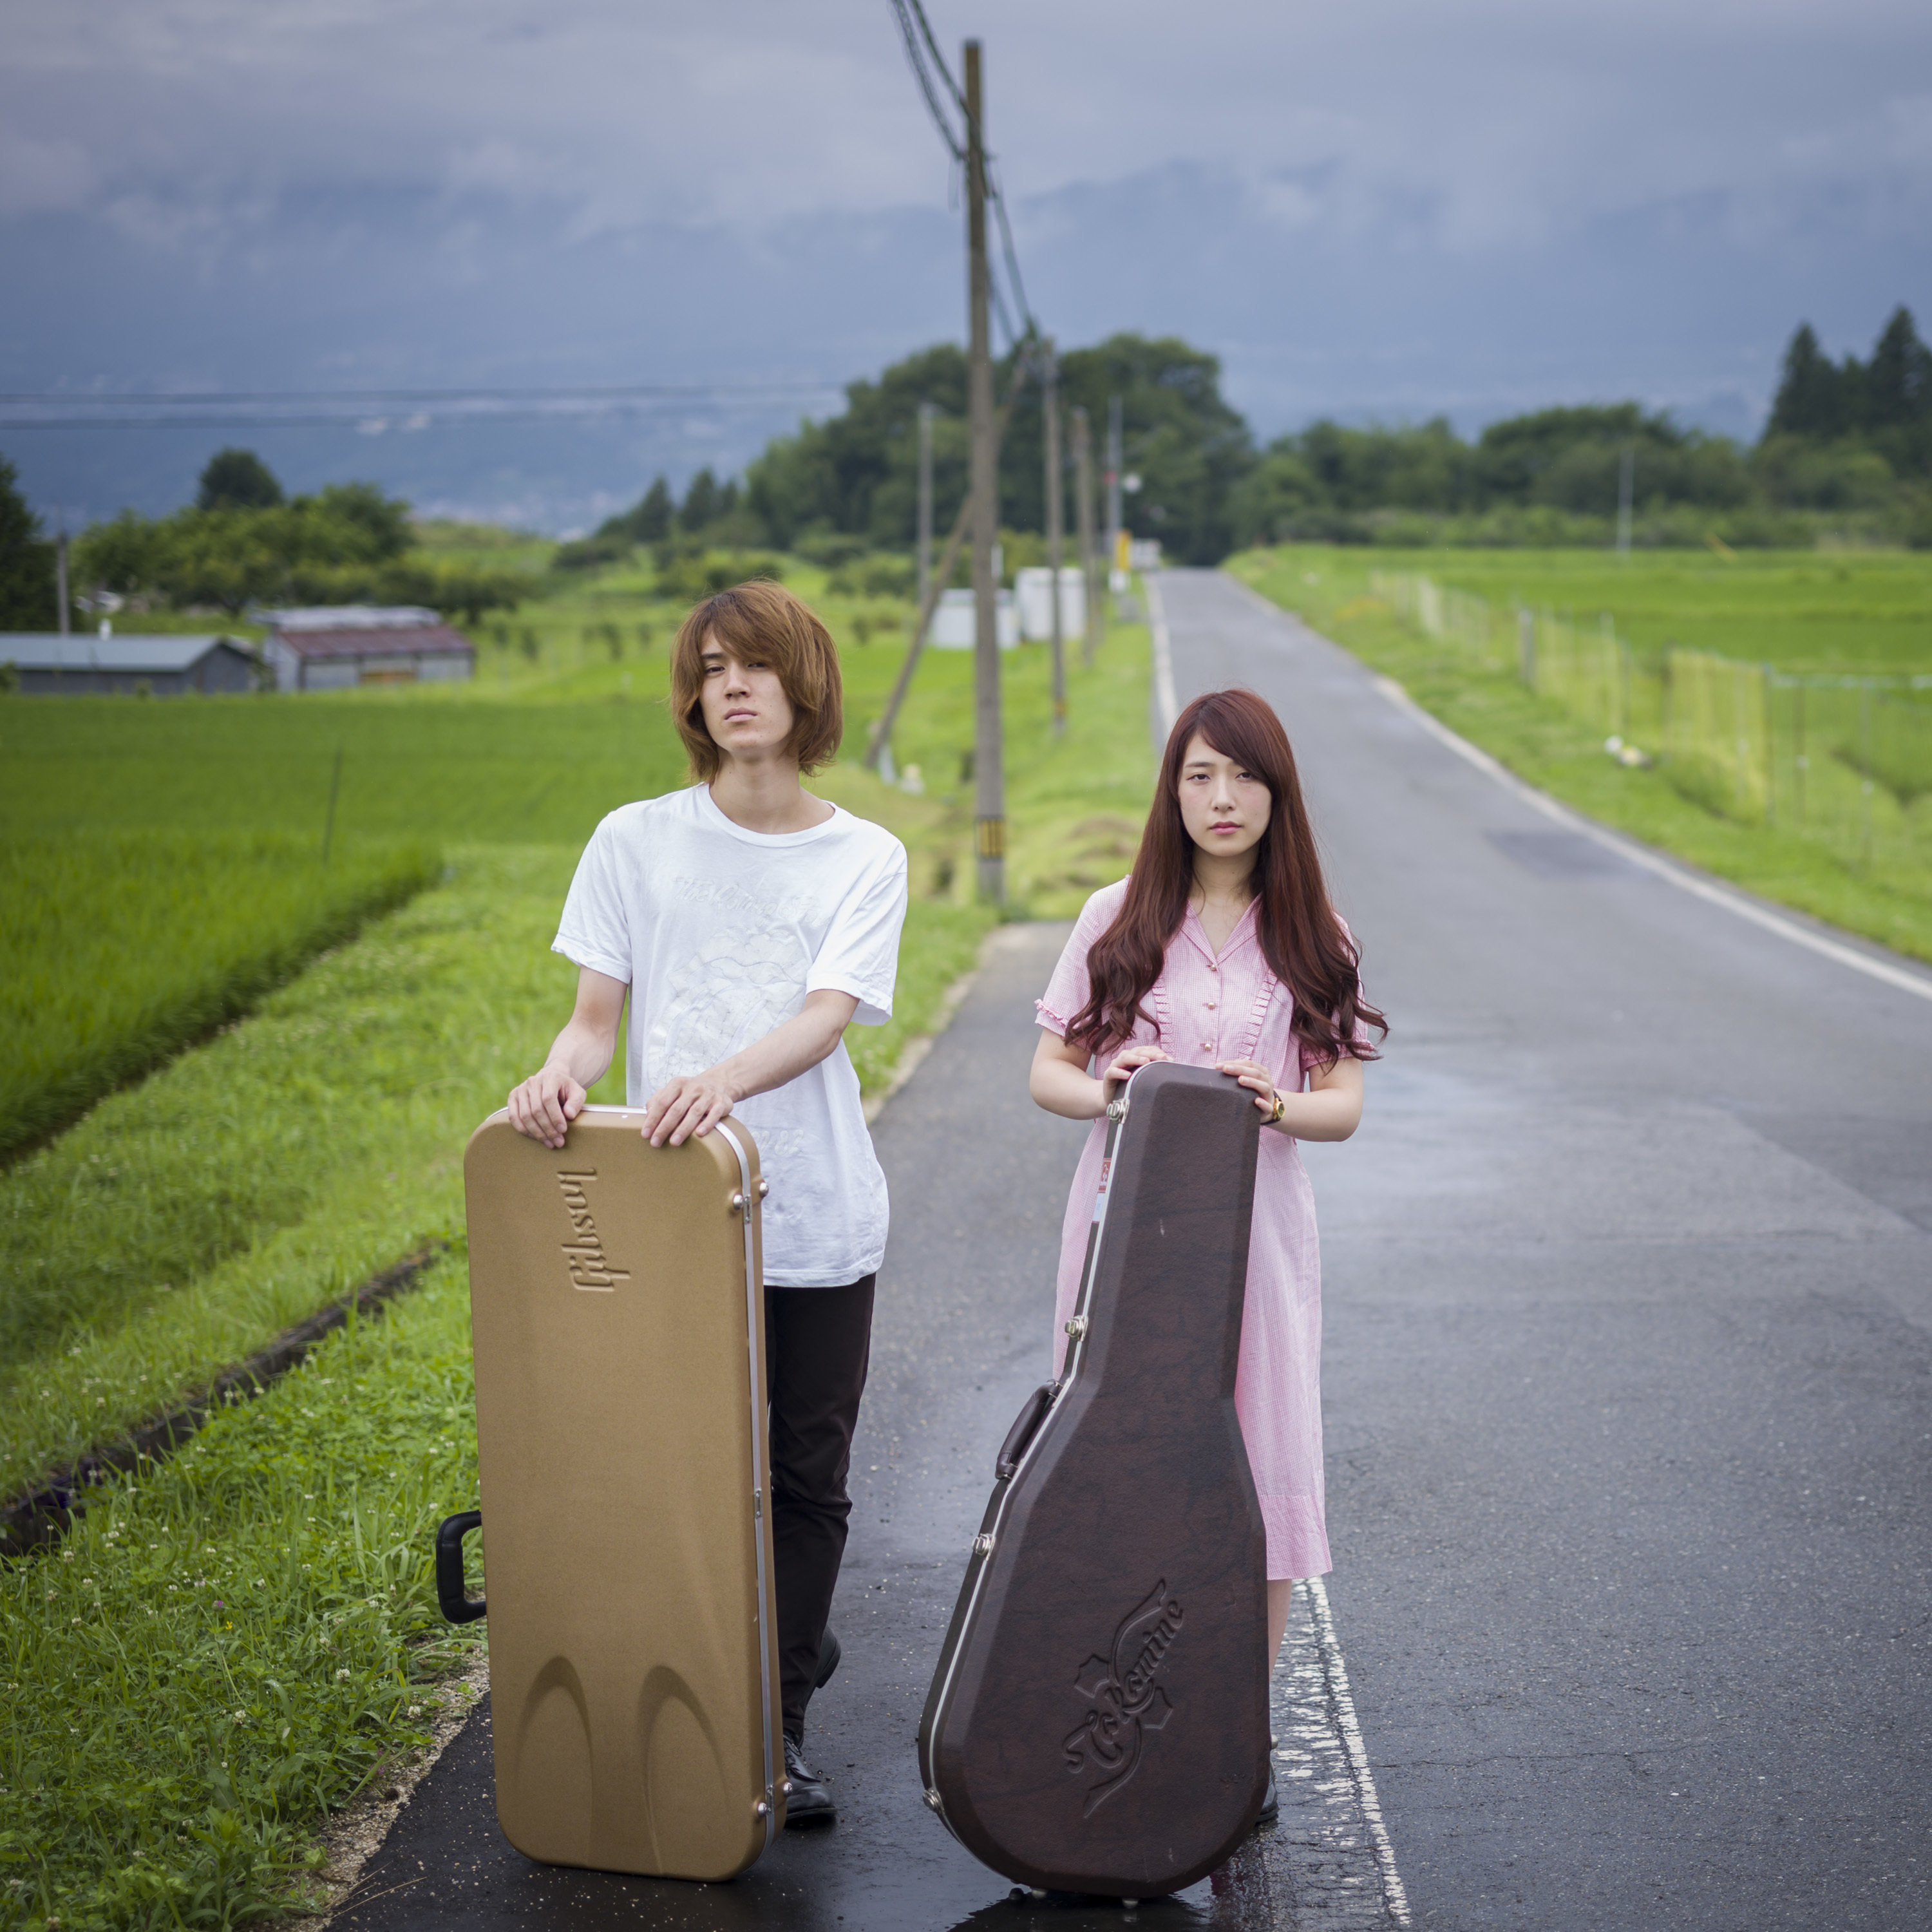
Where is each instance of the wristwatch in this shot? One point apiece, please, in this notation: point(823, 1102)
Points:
point(1280, 1107)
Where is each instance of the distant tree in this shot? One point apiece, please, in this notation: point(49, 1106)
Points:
point(238, 479)
point(1815, 396)
point(27, 590)
point(1898, 378)
point(650, 522)
point(699, 508)
point(856, 474)
point(332, 548)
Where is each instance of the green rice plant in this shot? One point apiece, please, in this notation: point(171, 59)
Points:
point(231, 1642)
point(188, 1221)
point(120, 947)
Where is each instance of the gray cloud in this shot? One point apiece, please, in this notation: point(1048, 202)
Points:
point(1387, 207)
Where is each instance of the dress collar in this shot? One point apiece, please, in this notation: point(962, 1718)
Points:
point(1243, 935)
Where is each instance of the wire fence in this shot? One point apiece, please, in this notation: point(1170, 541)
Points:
point(1844, 762)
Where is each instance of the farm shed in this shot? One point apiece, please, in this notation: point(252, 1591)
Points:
point(331, 647)
point(48, 664)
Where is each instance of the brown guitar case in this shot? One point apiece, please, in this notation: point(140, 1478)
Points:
point(617, 1305)
point(1098, 1722)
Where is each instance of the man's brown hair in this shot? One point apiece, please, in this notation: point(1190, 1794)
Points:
point(760, 623)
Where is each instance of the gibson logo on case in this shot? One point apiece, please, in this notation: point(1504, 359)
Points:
point(1127, 1703)
point(589, 1267)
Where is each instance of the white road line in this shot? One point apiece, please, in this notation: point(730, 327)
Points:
point(1905, 981)
point(1393, 1897)
point(1165, 703)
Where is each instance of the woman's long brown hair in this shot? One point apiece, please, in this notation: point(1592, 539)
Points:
point(1302, 939)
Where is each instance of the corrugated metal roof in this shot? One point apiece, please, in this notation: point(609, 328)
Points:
point(138, 655)
point(407, 640)
point(351, 617)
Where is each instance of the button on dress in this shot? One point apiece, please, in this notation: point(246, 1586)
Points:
point(1209, 1010)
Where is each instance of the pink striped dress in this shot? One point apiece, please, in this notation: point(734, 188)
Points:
point(1210, 1010)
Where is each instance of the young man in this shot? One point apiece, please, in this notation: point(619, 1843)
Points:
point(751, 923)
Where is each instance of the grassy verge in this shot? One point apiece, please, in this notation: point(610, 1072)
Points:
point(119, 948)
point(188, 1221)
point(237, 1639)
point(1551, 748)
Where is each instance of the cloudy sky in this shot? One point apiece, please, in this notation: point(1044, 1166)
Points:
point(1387, 209)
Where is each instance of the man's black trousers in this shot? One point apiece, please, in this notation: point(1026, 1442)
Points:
point(817, 1344)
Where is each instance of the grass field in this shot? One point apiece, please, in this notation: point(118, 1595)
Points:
point(121, 946)
point(175, 1720)
point(1554, 749)
point(1812, 611)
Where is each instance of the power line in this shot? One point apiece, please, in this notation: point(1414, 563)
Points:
point(922, 48)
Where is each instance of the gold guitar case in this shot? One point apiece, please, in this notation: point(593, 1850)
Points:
point(616, 1302)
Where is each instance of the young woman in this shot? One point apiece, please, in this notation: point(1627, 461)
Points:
point(1221, 949)
point(749, 923)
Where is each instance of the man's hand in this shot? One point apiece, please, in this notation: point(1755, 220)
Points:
point(544, 1105)
point(694, 1104)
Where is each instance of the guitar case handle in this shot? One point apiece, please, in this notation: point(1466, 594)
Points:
point(1033, 1412)
point(456, 1605)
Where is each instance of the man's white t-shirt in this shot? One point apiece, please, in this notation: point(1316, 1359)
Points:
point(720, 933)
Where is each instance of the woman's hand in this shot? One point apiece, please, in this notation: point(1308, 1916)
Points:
point(1252, 1074)
point(1142, 1053)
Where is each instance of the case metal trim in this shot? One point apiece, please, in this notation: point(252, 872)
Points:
point(1076, 1354)
point(761, 1476)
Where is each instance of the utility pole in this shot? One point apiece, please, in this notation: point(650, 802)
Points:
point(1114, 439)
point(989, 788)
point(1626, 490)
point(1083, 511)
point(925, 414)
point(60, 577)
point(1056, 487)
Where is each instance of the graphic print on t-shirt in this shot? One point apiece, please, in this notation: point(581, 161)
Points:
point(732, 991)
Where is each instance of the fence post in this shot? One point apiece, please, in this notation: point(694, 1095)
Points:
point(1526, 643)
point(1864, 767)
point(1799, 763)
point(1770, 761)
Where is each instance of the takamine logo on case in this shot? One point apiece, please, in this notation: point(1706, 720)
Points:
point(1127, 1703)
point(589, 1267)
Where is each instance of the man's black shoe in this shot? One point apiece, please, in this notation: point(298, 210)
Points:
point(809, 1801)
point(1271, 1804)
point(829, 1654)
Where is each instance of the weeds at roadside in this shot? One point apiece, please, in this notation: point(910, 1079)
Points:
point(234, 1641)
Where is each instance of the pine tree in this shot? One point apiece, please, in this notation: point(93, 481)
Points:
point(700, 503)
point(27, 593)
point(1898, 380)
point(650, 521)
point(1813, 396)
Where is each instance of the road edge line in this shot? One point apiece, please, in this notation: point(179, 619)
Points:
point(1394, 1896)
point(1166, 705)
point(1732, 900)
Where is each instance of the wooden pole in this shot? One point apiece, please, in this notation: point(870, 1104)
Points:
point(882, 732)
point(1056, 485)
point(1083, 511)
point(926, 416)
point(989, 789)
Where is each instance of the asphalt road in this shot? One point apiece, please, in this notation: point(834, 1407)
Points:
point(1628, 1390)
point(1627, 1377)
